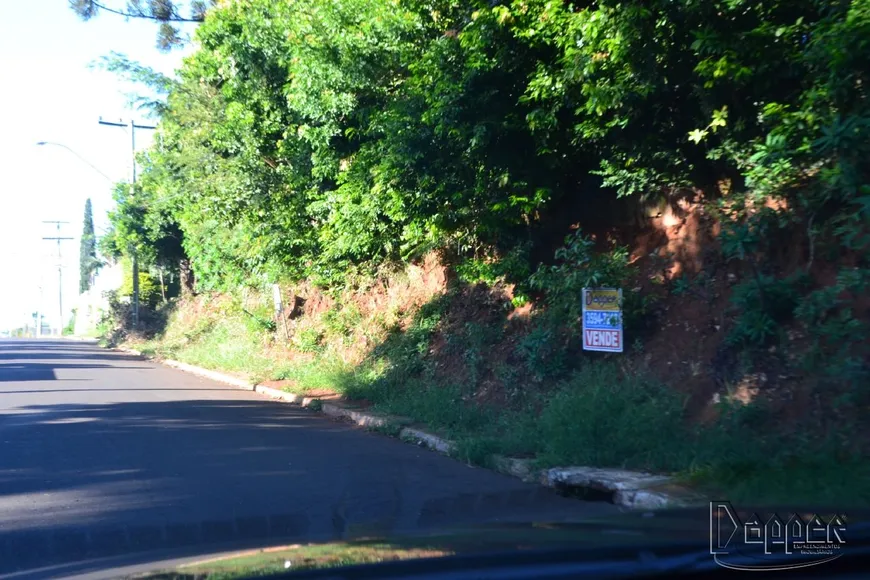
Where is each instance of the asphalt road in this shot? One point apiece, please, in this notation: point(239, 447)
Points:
point(106, 457)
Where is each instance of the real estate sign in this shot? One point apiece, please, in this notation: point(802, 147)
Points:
point(602, 319)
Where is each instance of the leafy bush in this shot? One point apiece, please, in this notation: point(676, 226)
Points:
point(512, 267)
point(308, 340)
point(342, 320)
point(542, 353)
point(69, 329)
point(763, 305)
point(603, 417)
point(258, 318)
point(579, 266)
point(840, 347)
point(389, 130)
point(149, 290)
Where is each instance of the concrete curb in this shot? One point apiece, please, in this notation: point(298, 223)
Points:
point(427, 440)
point(519, 468)
point(630, 489)
point(633, 489)
point(213, 375)
point(132, 351)
point(284, 396)
point(359, 417)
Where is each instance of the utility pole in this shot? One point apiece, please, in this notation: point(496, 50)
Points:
point(132, 125)
point(58, 239)
point(39, 313)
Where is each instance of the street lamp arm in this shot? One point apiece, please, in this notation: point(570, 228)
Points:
point(91, 165)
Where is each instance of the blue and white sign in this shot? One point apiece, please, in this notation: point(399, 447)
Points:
point(602, 319)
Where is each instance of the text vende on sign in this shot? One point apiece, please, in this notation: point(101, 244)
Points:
point(603, 340)
point(602, 319)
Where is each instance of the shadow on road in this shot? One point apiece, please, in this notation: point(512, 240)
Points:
point(82, 481)
point(41, 391)
point(168, 466)
point(26, 350)
point(22, 360)
point(14, 372)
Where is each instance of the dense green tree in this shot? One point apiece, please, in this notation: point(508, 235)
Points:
point(304, 138)
point(88, 262)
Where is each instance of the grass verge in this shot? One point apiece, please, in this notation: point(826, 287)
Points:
point(597, 413)
point(225, 343)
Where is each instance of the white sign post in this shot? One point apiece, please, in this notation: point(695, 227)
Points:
point(277, 302)
point(602, 319)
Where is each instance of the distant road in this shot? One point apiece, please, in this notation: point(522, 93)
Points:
point(104, 454)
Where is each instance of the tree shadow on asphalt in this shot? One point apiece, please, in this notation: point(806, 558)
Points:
point(27, 371)
point(47, 344)
point(26, 356)
point(38, 360)
point(21, 350)
point(91, 481)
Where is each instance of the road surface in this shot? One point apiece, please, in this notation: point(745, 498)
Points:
point(108, 457)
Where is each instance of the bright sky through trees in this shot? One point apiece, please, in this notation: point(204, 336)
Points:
point(50, 94)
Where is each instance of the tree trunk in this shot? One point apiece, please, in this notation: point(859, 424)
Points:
point(162, 285)
point(185, 273)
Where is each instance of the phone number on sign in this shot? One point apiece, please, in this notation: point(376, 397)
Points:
point(606, 319)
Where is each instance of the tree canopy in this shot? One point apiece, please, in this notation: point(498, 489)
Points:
point(305, 138)
point(88, 262)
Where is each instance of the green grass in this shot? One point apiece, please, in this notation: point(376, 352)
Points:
point(323, 373)
point(811, 481)
point(606, 417)
point(310, 557)
point(597, 418)
point(229, 344)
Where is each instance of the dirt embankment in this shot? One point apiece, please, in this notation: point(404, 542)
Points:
point(477, 335)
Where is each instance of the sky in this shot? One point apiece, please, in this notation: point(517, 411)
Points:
point(50, 93)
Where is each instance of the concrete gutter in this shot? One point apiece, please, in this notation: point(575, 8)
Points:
point(630, 489)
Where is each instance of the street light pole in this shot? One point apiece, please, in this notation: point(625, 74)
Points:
point(132, 125)
point(92, 166)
